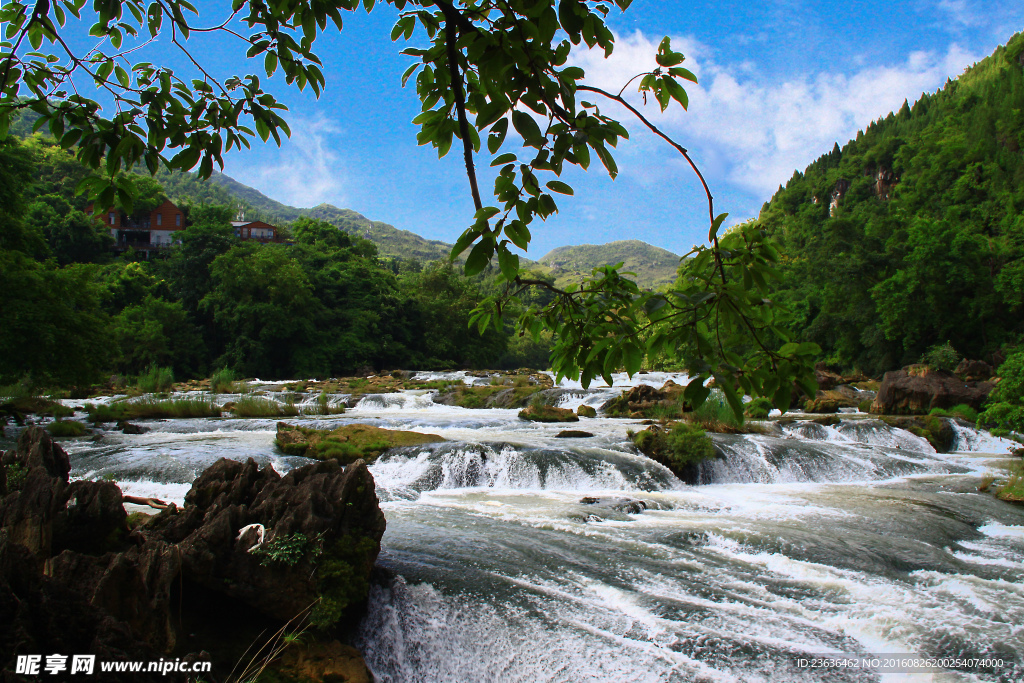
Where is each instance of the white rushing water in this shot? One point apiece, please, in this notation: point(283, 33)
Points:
point(515, 555)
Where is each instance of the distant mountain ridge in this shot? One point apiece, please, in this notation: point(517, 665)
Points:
point(654, 266)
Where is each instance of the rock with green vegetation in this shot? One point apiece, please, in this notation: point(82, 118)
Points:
point(937, 430)
point(681, 448)
point(542, 413)
point(586, 411)
point(821, 405)
point(347, 443)
point(759, 408)
point(644, 400)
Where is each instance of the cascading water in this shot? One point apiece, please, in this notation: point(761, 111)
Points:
point(515, 555)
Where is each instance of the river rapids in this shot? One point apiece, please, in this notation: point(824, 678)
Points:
point(498, 564)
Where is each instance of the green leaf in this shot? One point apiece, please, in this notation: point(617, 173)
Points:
point(571, 22)
point(560, 187)
point(783, 396)
point(632, 358)
point(462, 243)
point(508, 262)
point(528, 128)
point(497, 136)
point(677, 92)
point(696, 393)
point(506, 158)
point(715, 225)
point(479, 257)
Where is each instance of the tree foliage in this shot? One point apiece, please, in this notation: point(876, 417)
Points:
point(490, 68)
point(911, 235)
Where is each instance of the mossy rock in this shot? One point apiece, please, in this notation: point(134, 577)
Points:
point(681, 447)
point(572, 434)
point(586, 411)
point(821, 405)
point(938, 431)
point(543, 413)
point(346, 444)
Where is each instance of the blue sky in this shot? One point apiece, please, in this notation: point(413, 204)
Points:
point(779, 83)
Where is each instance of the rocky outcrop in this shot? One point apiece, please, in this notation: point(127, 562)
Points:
point(885, 181)
point(586, 411)
point(74, 578)
point(642, 398)
point(917, 389)
point(973, 370)
point(839, 191)
point(315, 515)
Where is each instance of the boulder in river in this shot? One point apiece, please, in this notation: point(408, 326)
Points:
point(586, 411)
point(543, 413)
point(573, 434)
point(917, 389)
point(347, 443)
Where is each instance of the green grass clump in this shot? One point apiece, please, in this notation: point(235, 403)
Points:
point(176, 407)
point(1013, 490)
point(759, 408)
point(223, 381)
point(66, 428)
point(964, 412)
point(323, 406)
point(98, 414)
point(256, 406)
point(156, 380)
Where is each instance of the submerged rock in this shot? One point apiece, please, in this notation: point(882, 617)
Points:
point(572, 434)
point(346, 444)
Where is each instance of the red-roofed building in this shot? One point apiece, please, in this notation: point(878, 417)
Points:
point(155, 231)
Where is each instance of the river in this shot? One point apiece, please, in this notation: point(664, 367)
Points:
point(498, 565)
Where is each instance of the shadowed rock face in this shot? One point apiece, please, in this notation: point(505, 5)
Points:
point(324, 503)
point(68, 544)
point(916, 389)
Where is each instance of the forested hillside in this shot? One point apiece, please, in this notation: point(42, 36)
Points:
point(912, 235)
point(324, 304)
point(654, 267)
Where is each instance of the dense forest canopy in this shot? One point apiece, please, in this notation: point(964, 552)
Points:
point(912, 235)
point(323, 303)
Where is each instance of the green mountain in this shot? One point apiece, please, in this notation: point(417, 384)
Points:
point(654, 267)
point(912, 235)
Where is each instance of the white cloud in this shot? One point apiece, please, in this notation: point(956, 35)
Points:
point(960, 12)
point(307, 171)
point(755, 131)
